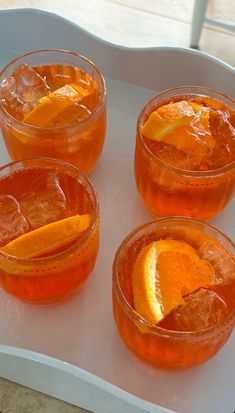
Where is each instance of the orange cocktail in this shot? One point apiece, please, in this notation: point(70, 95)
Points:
point(174, 292)
point(52, 103)
point(49, 227)
point(185, 152)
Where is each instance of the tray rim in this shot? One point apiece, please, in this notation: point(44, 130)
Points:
point(54, 365)
point(59, 17)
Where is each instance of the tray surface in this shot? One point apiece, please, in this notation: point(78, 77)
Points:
point(81, 331)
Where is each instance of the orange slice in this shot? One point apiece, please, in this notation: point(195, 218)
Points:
point(52, 105)
point(71, 114)
point(166, 118)
point(184, 125)
point(48, 238)
point(163, 273)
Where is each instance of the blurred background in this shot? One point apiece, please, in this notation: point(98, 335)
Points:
point(146, 22)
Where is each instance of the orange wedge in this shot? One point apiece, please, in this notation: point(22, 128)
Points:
point(71, 114)
point(48, 238)
point(166, 118)
point(184, 125)
point(163, 273)
point(52, 105)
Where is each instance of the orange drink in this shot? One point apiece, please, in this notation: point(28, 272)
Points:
point(49, 229)
point(174, 292)
point(52, 103)
point(185, 152)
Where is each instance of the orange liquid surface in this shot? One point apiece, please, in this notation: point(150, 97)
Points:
point(80, 144)
point(177, 352)
point(166, 191)
point(30, 199)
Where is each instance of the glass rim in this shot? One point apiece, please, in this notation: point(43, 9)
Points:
point(156, 159)
point(129, 310)
point(87, 232)
point(57, 128)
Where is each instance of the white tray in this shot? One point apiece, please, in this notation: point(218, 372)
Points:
point(65, 343)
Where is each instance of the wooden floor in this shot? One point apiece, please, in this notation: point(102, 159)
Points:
point(145, 22)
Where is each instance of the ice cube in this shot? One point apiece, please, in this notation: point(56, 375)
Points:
point(202, 309)
point(21, 91)
point(12, 221)
point(171, 155)
point(222, 261)
point(222, 124)
point(46, 202)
